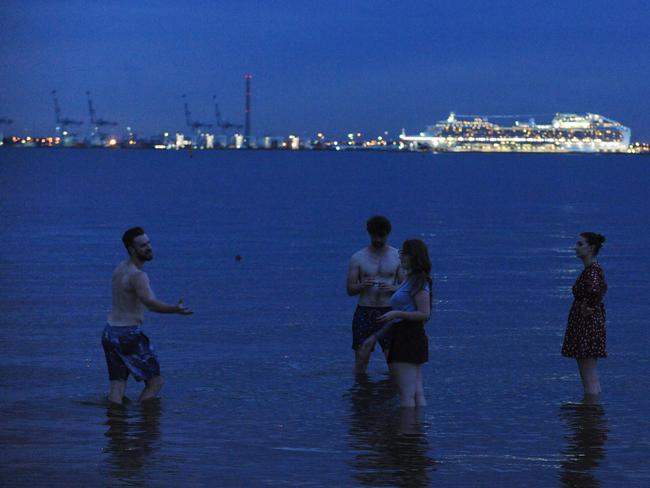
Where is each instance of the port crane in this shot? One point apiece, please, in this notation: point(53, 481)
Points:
point(194, 124)
point(4, 121)
point(93, 120)
point(223, 124)
point(97, 138)
point(62, 123)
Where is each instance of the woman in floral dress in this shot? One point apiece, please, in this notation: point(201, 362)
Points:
point(585, 338)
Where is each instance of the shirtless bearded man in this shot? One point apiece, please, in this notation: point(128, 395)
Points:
point(127, 349)
point(374, 274)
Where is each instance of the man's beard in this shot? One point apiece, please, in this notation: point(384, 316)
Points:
point(144, 257)
point(377, 245)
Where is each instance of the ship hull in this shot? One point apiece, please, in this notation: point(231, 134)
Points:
point(568, 133)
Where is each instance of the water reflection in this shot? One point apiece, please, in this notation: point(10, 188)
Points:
point(132, 436)
point(586, 436)
point(390, 443)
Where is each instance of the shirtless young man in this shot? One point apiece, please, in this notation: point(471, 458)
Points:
point(374, 274)
point(127, 349)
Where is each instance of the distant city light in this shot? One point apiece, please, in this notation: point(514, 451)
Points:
point(567, 132)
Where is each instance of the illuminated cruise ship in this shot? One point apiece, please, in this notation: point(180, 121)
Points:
point(589, 133)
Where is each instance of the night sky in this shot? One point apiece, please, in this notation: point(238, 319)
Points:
point(335, 66)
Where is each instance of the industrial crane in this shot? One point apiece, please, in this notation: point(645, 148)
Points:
point(62, 123)
point(222, 124)
point(97, 122)
point(69, 137)
point(97, 138)
point(194, 124)
point(4, 121)
point(197, 138)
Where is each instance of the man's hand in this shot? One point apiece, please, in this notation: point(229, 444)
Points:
point(182, 309)
point(369, 282)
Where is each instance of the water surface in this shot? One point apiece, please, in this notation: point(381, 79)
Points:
point(259, 386)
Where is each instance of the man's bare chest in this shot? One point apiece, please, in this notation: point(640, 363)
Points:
point(384, 266)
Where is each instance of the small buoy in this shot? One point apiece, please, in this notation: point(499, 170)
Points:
point(238, 258)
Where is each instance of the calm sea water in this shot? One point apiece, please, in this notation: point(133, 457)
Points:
point(259, 386)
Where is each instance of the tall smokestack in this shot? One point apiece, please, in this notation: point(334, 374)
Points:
point(247, 127)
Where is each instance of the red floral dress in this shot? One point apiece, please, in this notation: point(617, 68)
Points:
point(585, 335)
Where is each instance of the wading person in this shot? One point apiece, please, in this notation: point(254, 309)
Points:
point(127, 349)
point(374, 273)
point(585, 338)
point(411, 308)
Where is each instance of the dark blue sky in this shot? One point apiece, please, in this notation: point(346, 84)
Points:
point(332, 66)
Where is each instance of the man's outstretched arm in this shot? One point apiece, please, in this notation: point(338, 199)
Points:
point(142, 288)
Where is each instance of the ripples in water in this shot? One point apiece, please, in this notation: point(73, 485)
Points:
point(132, 437)
point(389, 445)
point(587, 431)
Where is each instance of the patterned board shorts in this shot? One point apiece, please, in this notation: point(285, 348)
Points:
point(128, 351)
point(364, 324)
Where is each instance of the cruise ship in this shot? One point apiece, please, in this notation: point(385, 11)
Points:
point(584, 133)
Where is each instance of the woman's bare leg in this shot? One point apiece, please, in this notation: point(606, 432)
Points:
point(405, 375)
point(420, 401)
point(589, 375)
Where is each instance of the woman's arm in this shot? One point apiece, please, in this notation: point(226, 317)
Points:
point(423, 312)
point(595, 287)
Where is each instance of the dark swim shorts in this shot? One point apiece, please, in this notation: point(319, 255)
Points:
point(364, 324)
point(128, 350)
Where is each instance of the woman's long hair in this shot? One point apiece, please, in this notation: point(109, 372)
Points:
point(420, 266)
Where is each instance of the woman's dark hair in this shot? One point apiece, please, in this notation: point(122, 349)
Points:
point(378, 226)
point(420, 265)
point(594, 239)
point(131, 234)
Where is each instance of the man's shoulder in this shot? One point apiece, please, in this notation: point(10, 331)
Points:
point(359, 254)
point(119, 269)
point(127, 269)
